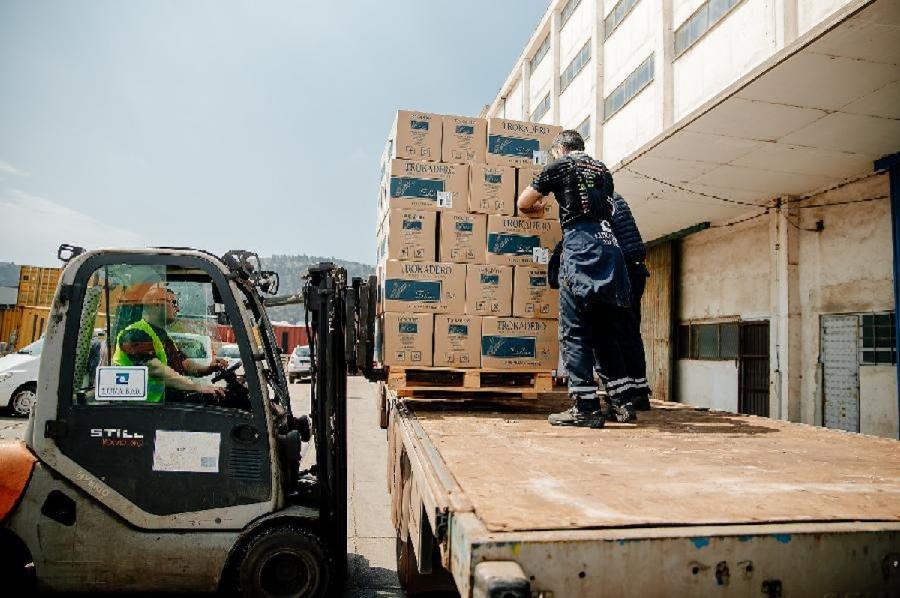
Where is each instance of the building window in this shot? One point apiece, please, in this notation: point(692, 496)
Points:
point(630, 87)
point(541, 52)
point(705, 17)
point(541, 109)
point(571, 71)
point(584, 129)
point(567, 11)
point(714, 342)
point(617, 15)
point(877, 339)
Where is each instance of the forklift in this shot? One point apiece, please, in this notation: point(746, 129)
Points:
point(125, 483)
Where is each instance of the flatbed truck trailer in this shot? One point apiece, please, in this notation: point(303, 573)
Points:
point(487, 497)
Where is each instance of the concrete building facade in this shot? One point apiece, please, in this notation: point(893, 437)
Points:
point(756, 141)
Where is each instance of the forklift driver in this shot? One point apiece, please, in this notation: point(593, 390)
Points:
point(146, 342)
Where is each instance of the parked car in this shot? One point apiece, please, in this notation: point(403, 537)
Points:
point(18, 379)
point(298, 365)
point(197, 348)
point(230, 353)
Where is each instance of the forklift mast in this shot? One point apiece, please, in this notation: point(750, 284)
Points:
point(340, 320)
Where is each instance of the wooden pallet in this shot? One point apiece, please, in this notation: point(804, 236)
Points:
point(407, 381)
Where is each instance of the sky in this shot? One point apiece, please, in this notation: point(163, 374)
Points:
point(224, 124)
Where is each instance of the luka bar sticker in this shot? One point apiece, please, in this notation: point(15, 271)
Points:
point(121, 383)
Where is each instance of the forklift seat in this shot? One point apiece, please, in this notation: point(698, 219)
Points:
point(16, 465)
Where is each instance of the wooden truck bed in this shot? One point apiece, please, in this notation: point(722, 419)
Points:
point(500, 474)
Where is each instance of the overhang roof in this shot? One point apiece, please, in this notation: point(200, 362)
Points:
point(815, 114)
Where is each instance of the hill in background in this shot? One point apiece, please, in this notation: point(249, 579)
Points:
point(290, 268)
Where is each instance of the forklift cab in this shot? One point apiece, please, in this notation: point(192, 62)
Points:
point(155, 472)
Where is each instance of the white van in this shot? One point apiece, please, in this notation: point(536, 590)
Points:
point(18, 379)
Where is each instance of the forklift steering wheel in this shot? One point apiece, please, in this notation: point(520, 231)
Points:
point(227, 372)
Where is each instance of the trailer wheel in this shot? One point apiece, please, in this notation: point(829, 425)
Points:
point(383, 407)
point(285, 561)
point(414, 583)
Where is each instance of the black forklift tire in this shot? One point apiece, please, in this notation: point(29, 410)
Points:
point(285, 561)
point(414, 583)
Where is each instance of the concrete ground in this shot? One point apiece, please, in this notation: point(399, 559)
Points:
point(370, 535)
point(370, 541)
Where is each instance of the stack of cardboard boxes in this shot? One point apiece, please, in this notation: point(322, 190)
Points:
point(463, 278)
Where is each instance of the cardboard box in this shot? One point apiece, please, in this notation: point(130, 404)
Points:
point(457, 341)
point(415, 136)
point(407, 235)
point(492, 189)
point(524, 177)
point(489, 290)
point(407, 339)
point(426, 186)
point(511, 240)
point(517, 143)
point(421, 287)
point(463, 238)
point(519, 343)
point(532, 296)
point(465, 140)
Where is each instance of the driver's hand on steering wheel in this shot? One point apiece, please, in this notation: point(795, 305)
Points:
point(215, 393)
point(217, 364)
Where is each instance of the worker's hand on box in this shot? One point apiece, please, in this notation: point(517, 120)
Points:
point(536, 210)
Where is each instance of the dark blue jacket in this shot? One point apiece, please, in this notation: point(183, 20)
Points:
point(627, 233)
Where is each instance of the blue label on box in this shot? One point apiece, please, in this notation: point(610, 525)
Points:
point(399, 289)
point(508, 346)
point(418, 125)
point(538, 281)
point(464, 227)
point(493, 279)
point(460, 329)
point(465, 130)
point(412, 225)
point(512, 244)
point(513, 146)
point(417, 188)
point(493, 179)
point(408, 328)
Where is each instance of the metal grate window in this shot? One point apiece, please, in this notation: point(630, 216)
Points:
point(541, 52)
point(703, 19)
point(617, 15)
point(719, 341)
point(708, 341)
point(877, 339)
point(567, 11)
point(571, 71)
point(542, 108)
point(630, 87)
point(584, 129)
point(729, 337)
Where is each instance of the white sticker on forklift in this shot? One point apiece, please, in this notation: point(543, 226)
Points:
point(186, 451)
point(121, 383)
point(445, 199)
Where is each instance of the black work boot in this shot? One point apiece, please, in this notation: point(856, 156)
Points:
point(585, 413)
point(641, 403)
point(623, 411)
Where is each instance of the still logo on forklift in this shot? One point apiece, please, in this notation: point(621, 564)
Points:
point(118, 437)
